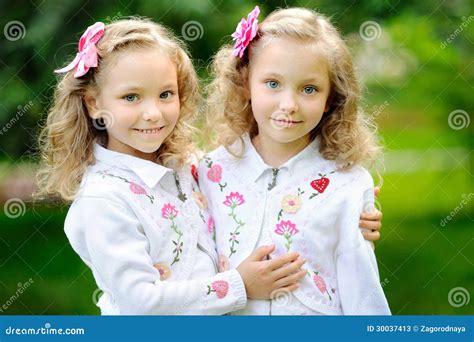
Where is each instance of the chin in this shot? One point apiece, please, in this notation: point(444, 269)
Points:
point(286, 137)
point(147, 149)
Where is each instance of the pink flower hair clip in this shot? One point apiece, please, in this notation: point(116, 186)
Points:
point(87, 56)
point(245, 32)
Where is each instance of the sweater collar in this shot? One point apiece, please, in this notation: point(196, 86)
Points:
point(255, 166)
point(149, 172)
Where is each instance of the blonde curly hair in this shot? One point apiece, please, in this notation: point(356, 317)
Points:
point(347, 135)
point(68, 136)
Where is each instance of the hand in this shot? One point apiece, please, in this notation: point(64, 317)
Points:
point(263, 277)
point(371, 223)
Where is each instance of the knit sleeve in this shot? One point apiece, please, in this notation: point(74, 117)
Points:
point(357, 273)
point(112, 242)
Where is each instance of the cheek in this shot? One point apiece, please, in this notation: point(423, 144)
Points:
point(258, 110)
point(173, 112)
point(261, 104)
point(315, 110)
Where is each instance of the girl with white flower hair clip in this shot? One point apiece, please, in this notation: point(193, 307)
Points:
point(117, 143)
point(285, 106)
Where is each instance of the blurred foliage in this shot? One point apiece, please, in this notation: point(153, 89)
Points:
point(416, 71)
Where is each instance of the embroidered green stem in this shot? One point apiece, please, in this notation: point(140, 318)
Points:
point(233, 235)
point(222, 186)
point(179, 245)
point(287, 237)
point(280, 214)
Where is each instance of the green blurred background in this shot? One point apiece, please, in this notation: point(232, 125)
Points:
point(415, 59)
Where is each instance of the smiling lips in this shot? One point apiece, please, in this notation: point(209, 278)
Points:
point(285, 122)
point(149, 131)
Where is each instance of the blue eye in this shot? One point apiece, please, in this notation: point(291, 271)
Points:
point(130, 98)
point(309, 90)
point(272, 84)
point(166, 95)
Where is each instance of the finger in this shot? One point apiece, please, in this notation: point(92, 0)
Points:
point(290, 279)
point(288, 269)
point(370, 225)
point(282, 260)
point(283, 290)
point(292, 287)
point(371, 236)
point(377, 191)
point(261, 252)
point(374, 215)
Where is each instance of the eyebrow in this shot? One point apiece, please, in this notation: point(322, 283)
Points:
point(306, 80)
point(129, 88)
point(134, 87)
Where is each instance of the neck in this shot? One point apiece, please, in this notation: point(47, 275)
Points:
point(275, 153)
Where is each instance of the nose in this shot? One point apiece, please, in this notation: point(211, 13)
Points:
point(152, 112)
point(288, 102)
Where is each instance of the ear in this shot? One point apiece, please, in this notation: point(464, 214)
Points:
point(91, 104)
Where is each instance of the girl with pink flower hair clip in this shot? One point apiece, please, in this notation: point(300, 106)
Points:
point(284, 103)
point(117, 144)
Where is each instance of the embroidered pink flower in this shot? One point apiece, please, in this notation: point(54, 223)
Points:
point(136, 189)
point(169, 211)
point(215, 173)
point(234, 200)
point(291, 204)
point(287, 227)
point(244, 33)
point(220, 287)
point(320, 284)
point(223, 263)
point(210, 225)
